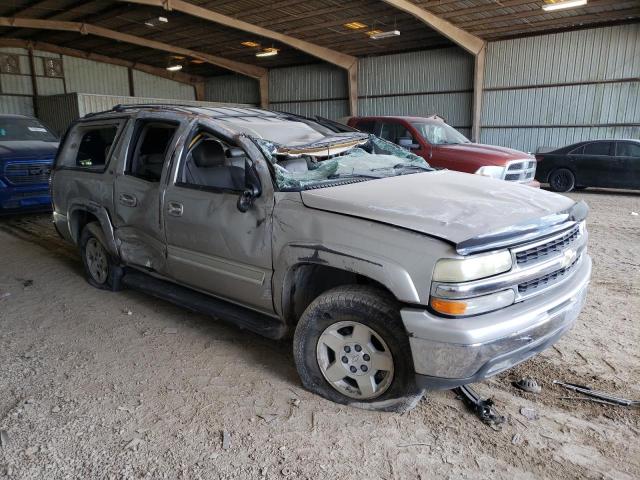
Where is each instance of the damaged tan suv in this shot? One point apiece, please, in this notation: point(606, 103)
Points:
point(392, 277)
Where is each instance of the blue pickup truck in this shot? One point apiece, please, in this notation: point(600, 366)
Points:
point(27, 150)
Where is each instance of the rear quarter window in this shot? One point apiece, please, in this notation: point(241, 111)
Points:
point(89, 146)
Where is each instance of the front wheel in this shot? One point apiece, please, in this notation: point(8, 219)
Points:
point(562, 180)
point(350, 347)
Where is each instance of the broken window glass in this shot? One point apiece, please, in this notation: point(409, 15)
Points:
point(373, 159)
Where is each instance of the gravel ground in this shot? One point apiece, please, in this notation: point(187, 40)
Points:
point(118, 385)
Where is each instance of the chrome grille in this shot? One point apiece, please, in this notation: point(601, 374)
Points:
point(546, 280)
point(24, 173)
point(540, 251)
point(520, 171)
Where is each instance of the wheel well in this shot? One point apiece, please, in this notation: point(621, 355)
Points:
point(306, 282)
point(79, 220)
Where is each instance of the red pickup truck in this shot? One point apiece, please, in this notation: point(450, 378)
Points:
point(443, 146)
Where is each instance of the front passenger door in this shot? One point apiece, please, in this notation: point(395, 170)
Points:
point(628, 154)
point(211, 245)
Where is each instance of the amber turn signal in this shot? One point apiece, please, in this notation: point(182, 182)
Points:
point(448, 307)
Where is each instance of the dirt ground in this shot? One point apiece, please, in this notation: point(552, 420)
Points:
point(119, 385)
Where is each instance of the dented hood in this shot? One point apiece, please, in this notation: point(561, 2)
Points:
point(449, 205)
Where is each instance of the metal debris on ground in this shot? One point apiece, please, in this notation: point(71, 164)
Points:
point(226, 440)
point(4, 438)
point(517, 439)
point(603, 397)
point(529, 413)
point(528, 385)
point(4, 295)
point(482, 408)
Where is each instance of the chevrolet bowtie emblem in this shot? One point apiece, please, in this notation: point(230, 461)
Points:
point(568, 257)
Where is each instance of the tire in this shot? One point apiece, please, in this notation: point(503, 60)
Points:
point(562, 180)
point(106, 276)
point(333, 317)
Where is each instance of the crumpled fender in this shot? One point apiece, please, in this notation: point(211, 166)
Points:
point(105, 233)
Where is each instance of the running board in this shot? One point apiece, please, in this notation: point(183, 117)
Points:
point(198, 302)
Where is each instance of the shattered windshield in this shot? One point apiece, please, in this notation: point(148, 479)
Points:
point(371, 158)
point(439, 133)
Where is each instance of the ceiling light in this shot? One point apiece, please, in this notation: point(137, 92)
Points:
point(163, 19)
point(267, 52)
point(153, 22)
point(354, 25)
point(373, 32)
point(174, 68)
point(250, 44)
point(381, 35)
point(550, 7)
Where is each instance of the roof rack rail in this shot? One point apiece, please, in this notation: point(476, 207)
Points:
point(122, 107)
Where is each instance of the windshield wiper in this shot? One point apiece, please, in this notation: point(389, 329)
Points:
point(410, 166)
point(351, 175)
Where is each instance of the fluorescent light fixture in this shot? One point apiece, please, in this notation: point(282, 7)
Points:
point(354, 25)
point(250, 44)
point(149, 23)
point(267, 52)
point(550, 7)
point(163, 19)
point(174, 68)
point(381, 35)
point(374, 32)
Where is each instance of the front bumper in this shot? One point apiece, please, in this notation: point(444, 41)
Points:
point(26, 198)
point(451, 352)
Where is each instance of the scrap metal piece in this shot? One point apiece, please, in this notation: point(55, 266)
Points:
point(528, 385)
point(598, 394)
point(482, 408)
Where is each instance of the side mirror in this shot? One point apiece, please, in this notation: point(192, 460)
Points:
point(407, 142)
point(245, 200)
point(252, 188)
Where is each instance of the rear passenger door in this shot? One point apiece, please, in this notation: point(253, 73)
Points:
point(628, 154)
point(597, 167)
point(137, 192)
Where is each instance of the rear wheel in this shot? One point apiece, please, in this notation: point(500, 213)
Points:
point(100, 268)
point(350, 347)
point(562, 180)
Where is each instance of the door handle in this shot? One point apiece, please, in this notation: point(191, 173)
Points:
point(128, 200)
point(175, 209)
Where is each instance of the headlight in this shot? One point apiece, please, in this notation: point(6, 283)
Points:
point(471, 268)
point(475, 305)
point(491, 171)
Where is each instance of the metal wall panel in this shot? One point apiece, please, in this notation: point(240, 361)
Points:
point(455, 108)
point(534, 139)
point(147, 85)
point(439, 70)
point(567, 87)
point(570, 57)
point(88, 76)
point(59, 111)
point(232, 88)
point(16, 84)
point(601, 103)
point(307, 82)
point(16, 104)
point(333, 109)
point(418, 83)
point(50, 86)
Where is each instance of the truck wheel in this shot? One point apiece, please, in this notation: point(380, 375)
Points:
point(99, 267)
point(562, 180)
point(350, 347)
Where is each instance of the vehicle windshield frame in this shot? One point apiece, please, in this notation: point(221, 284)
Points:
point(457, 137)
point(31, 129)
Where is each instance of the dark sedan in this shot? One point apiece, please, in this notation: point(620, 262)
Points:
point(594, 163)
